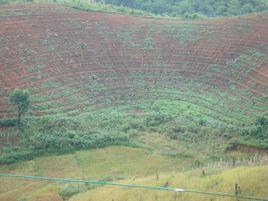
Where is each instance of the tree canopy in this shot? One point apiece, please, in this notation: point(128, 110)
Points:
point(20, 98)
point(209, 8)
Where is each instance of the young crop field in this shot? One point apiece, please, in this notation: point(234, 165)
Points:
point(73, 60)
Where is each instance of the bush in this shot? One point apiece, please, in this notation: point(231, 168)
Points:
point(134, 124)
point(14, 154)
point(262, 121)
point(8, 122)
point(184, 132)
point(259, 130)
point(71, 140)
point(57, 137)
point(193, 16)
point(202, 122)
point(157, 118)
point(256, 134)
point(70, 190)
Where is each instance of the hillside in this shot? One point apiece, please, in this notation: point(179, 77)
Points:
point(73, 60)
point(128, 165)
point(120, 97)
point(116, 76)
point(219, 180)
point(195, 8)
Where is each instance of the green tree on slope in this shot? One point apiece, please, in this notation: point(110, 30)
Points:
point(20, 98)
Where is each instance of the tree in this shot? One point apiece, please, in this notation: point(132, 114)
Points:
point(247, 8)
point(20, 98)
point(129, 3)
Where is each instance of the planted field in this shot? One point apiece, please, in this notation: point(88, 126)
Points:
point(76, 62)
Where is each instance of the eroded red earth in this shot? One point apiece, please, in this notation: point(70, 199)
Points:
point(72, 59)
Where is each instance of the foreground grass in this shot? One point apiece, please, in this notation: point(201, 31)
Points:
point(252, 180)
point(109, 163)
point(130, 165)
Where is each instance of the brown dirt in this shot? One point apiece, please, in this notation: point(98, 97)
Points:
point(113, 44)
point(247, 149)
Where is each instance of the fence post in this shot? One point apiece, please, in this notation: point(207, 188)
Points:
point(234, 162)
point(237, 190)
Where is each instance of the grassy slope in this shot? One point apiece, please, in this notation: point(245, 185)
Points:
point(111, 162)
point(253, 181)
point(123, 163)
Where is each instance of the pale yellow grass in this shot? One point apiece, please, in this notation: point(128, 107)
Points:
point(253, 182)
point(113, 162)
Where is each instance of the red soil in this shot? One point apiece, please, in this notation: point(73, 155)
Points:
point(51, 49)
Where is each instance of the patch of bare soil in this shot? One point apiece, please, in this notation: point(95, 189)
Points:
point(247, 149)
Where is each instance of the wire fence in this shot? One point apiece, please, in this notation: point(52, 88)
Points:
point(159, 188)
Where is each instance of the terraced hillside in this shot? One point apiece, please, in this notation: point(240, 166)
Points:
point(75, 61)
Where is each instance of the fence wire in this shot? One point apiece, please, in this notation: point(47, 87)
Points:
point(160, 188)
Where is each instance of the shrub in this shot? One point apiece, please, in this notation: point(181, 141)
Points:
point(8, 122)
point(14, 154)
point(134, 124)
point(70, 190)
point(192, 16)
point(202, 122)
point(259, 130)
point(158, 118)
point(71, 140)
point(262, 121)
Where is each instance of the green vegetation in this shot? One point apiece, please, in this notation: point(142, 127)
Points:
point(8, 122)
point(219, 180)
point(110, 163)
point(89, 6)
point(192, 9)
point(120, 126)
point(70, 190)
point(187, 9)
point(21, 100)
point(257, 134)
